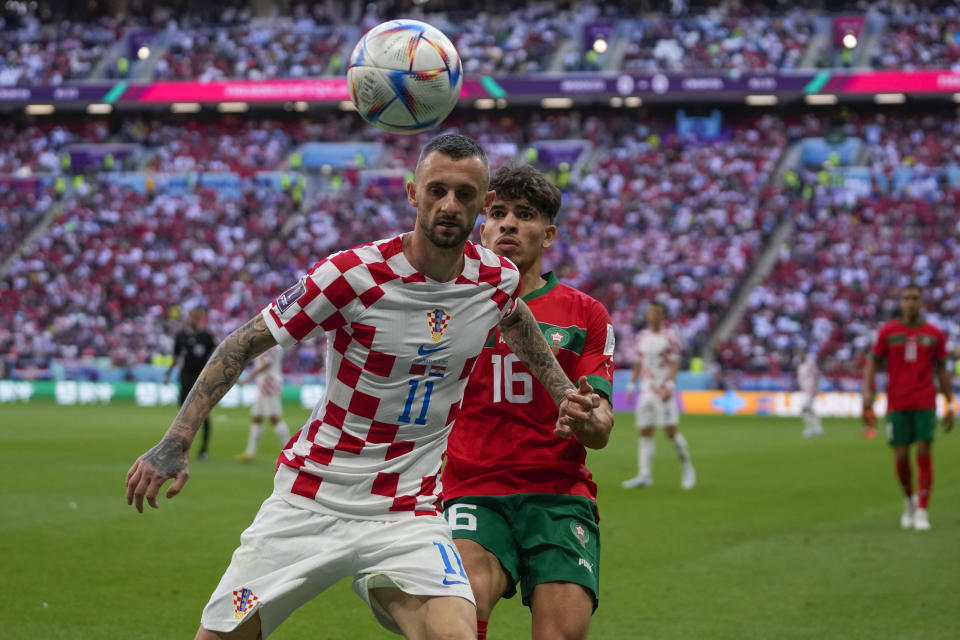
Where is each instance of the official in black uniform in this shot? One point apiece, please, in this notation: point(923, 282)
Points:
point(196, 345)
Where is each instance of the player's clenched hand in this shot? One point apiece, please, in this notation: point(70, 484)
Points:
point(576, 408)
point(948, 421)
point(167, 460)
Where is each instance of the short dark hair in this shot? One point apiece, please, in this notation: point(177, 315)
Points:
point(657, 303)
point(454, 146)
point(523, 181)
point(914, 286)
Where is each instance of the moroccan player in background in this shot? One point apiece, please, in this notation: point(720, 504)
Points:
point(520, 500)
point(913, 348)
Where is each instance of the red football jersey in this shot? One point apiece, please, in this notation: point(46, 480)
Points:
point(502, 442)
point(911, 353)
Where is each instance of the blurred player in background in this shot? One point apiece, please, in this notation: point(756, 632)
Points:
point(268, 376)
point(658, 360)
point(356, 492)
point(195, 344)
point(521, 501)
point(808, 378)
point(913, 348)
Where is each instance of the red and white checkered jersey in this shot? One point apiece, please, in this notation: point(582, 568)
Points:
point(400, 350)
point(657, 351)
point(270, 380)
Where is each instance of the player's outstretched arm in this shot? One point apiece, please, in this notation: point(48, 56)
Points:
point(522, 334)
point(168, 459)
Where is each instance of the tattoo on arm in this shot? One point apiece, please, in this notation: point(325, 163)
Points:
point(522, 334)
point(219, 374)
point(167, 456)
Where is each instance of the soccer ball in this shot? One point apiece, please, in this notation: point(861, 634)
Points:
point(404, 76)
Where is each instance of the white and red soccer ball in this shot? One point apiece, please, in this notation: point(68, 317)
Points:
point(404, 76)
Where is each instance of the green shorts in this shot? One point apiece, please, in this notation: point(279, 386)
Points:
point(911, 425)
point(537, 537)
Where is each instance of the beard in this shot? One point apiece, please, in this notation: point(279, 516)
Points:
point(444, 237)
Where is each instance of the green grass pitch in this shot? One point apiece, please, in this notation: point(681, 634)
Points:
point(782, 537)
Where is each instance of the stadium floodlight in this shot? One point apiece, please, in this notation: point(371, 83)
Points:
point(850, 41)
point(632, 101)
point(761, 100)
point(501, 103)
point(300, 105)
point(600, 45)
point(99, 108)
point(821, 98)
point(347, 105)
point(556, 103)
point(143, 52)
point(233, 107)
point(39, 109)
point(616, 101)
point(956, 97)
point(890, 98)
point(484, 103)
point(185, 107)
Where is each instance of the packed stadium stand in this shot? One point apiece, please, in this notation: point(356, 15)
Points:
point(111, 226)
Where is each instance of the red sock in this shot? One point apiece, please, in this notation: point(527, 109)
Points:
point(481, 630)
point(924, 480)
point(906, 477)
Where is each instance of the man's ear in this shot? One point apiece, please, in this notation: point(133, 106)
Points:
point(549, 235)
point(412, 192)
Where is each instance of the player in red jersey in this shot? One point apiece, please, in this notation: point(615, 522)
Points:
point(521, 502)
point(913, 348)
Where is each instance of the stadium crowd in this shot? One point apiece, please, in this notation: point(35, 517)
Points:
point(302, 40)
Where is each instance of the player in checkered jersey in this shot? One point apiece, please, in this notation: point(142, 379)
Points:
point(521, 501)
point(355, 493)
point(268, 374)
point(658, 360)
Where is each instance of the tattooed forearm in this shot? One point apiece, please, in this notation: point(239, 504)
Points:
point(220, 373)
point(522, 334)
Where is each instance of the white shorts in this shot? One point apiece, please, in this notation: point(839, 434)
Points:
point(289, 555)
point(267, 405)
point(651, 411)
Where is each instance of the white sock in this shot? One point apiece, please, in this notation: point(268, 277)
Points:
point(680, 446)
point(253, 439)
point(647, 449)
point(282, 431)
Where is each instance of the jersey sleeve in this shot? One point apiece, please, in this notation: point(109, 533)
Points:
point(322, 300)
point(879, 350)
point(941, 353)
point(596, 362)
